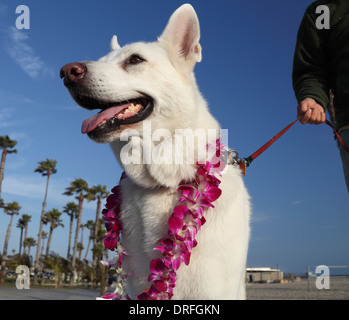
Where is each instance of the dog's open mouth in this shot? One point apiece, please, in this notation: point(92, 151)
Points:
point(114, 115)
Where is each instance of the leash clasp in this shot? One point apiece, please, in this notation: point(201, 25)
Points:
point(233, 159)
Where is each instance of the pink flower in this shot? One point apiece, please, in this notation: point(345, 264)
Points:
point(113, 199)
point(163, 280)
point(175, 222)
point(205, 175)
point(174, 252)
point(188, 193)
point(111, 296)
point(157, 268)
point(210, 195)
point(143, 296)
point(217, 155)
point(110, 242)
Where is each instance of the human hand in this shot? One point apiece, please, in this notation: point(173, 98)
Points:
point(309, 111)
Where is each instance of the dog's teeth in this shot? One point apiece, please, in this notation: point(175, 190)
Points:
point(130, 111)
point(103, 122)
point(134, 107)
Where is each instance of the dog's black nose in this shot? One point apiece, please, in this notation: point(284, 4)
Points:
point(73, 72)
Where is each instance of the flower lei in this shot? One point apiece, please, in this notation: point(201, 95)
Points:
point(184, 224)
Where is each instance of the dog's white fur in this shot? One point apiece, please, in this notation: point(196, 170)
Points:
point(217, 265)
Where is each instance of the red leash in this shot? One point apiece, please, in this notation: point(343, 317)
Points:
point(245, 162)
point(269, 143)
point(338, 136)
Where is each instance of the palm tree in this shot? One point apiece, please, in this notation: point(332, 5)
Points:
point(52, 217)
point(90, 226)
point(97, 193)
point(78, 187)
point(23, 225)
point(20, 225)
point(80, 247)
point(46, 168)
point(26, 219)
point(82, 227)
point(99, 251)
point(11, 209)
point(72, 210)
point(7, 145)
point(29, 242)
point(43, 237)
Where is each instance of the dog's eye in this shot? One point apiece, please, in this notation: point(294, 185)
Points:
point(134, 59)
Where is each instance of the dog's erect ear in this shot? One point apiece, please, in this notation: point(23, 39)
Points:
point(182, 34)
point(114, 45)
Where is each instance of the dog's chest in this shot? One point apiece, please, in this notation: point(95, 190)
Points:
point(145, 214)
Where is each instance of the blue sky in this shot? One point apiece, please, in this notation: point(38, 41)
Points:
point(299, 198)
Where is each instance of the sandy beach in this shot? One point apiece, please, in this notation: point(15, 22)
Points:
point(298, 290)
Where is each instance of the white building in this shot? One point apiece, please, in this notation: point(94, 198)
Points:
point(263, 274)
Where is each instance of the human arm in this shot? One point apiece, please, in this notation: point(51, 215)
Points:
point(311, 76)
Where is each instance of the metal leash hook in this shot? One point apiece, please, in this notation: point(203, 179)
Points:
point(233, 159)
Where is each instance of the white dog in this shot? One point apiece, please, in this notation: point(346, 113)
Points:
point(154, 84)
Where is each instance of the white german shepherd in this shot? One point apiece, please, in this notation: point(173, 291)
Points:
point(155, 81)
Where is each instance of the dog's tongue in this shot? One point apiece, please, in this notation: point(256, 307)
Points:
point(90, 124)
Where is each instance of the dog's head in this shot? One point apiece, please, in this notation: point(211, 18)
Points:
point(140, 81)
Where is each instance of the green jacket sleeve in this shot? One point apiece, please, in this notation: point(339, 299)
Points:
point(311, 76)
